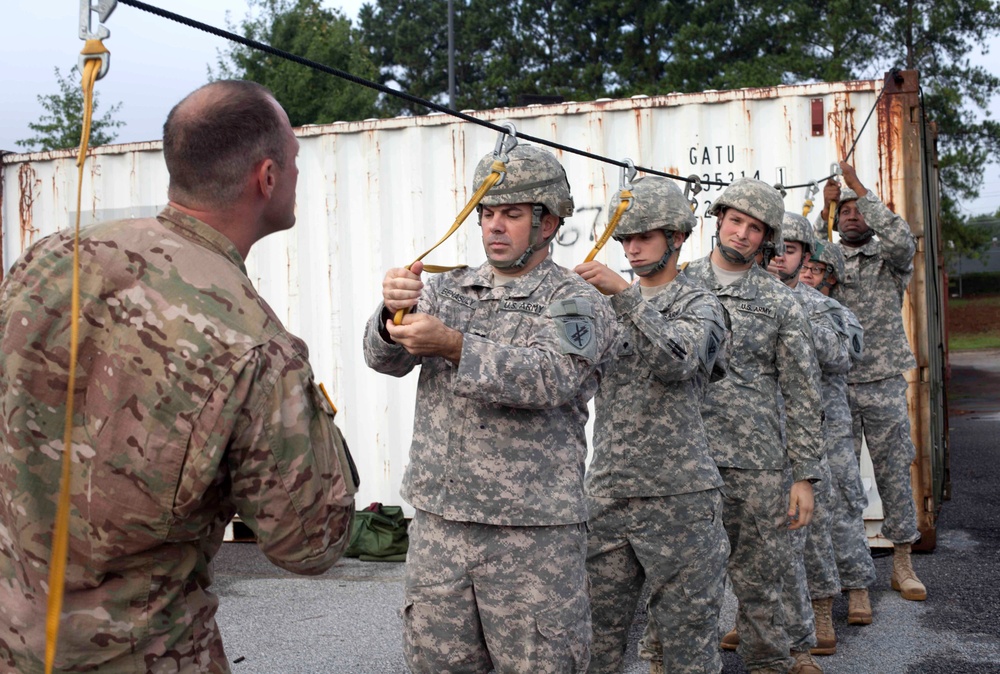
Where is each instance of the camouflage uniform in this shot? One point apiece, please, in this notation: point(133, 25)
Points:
point(851, 567)
point(876, 276)
point(498, 453)
point(193, 403)
point(811, 546)
point(655, 508)
point(771, 352)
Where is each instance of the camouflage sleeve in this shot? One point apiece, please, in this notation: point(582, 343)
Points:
point(568, 344)
point(898, 243)
point(798, 377)
point(855, 333)
point(293, 481)
point(381, 354)
point(829, 330)
point(674, 347)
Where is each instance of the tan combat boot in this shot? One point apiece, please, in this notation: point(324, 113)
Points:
point(826, 637)
point(804, 664)
point(904, 580)
point(731, 641)
point(859, 609)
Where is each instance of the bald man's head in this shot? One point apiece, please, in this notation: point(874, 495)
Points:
point(214, 138)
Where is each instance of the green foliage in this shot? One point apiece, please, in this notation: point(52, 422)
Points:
point(61, 125)
point(307, 29)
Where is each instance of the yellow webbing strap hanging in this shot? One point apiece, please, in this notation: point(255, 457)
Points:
point(807, 207)
point(829, 223)
point(623, 205)
point(811, 191)
point(498, 171)
point(60, 536)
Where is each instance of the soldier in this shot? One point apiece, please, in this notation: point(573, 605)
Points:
point(771, 356)
point(192, 403)
point(810, 622)
point(509, 354)
point(855, 570)
point(876, 274)
point(653, 489)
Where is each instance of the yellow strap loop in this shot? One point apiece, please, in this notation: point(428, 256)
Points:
point(829, 223)
point(498, 170)
point(807, 207)
point(626, 201)
point(60, 536)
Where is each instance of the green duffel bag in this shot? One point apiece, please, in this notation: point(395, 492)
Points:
point(379, 534)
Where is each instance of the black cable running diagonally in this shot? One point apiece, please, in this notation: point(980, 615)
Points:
point(266, 48)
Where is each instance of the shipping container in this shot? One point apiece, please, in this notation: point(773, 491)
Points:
point(374, 194)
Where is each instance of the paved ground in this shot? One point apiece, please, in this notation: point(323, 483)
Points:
point(346, 622)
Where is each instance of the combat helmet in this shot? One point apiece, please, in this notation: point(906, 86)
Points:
point(758, 200)
point(534, 176)
point(795, 227)
point(657, 203)
point(833, 257)
point(855, 239)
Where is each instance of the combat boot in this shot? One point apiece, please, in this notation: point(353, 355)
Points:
point(731, 641)
point(904, 580)
point(804, 664)
point(859, 609)
point(826, 637)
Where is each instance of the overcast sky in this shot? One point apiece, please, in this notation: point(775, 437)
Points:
point(155, 62)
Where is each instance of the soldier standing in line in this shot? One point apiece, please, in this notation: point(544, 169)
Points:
point(876, 274)
point(855, 569)
point(771, 356)
point(653, 489)
point(810, 622)
point(192, 402)
point(509, 354)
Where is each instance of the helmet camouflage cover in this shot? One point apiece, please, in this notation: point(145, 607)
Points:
point(755, 198)
point(832, 256)
point(534, 176)
point(795, 227)
point(657, 203)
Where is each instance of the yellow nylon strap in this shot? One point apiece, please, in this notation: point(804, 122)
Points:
point(327, 396)
point(60, 537)
point(807, 207)
point(626, 200)
point(829, 223)
point(498, 168)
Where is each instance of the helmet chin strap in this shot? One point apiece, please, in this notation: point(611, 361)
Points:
point(733, 256)
point(857, 238)
point(534, 244)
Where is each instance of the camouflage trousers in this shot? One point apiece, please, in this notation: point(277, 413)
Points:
point(677, 545)
point(836, 553)
point(479, 597)
point(879, 412)
point(800, 621)
point(755, 506)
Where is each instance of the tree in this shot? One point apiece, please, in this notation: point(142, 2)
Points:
point(307, 29)
point(61, 125)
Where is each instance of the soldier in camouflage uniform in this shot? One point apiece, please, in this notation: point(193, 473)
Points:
point(771, 355)
point(854, 570)
point(655, 506)
point(509, 354)
point(810, 623)
point(192, 403)
point(877, 272)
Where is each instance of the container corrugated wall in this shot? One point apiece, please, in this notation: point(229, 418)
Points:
point(373, 195)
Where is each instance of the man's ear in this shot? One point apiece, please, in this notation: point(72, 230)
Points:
point(265, 177)
point(550, 223)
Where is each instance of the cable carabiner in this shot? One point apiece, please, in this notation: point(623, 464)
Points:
point(811, 191)
point(627, 175)
point(506, 141)
point(93, 49)
point(692, 189)
point(835, 169)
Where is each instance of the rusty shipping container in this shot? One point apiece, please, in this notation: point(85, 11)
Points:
point(374, 194)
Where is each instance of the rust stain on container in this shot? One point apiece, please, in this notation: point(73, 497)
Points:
point(27, 180)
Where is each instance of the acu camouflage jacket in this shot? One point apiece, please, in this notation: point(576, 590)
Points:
point(499, 437)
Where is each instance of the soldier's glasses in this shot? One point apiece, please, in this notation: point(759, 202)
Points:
point(818, 269)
